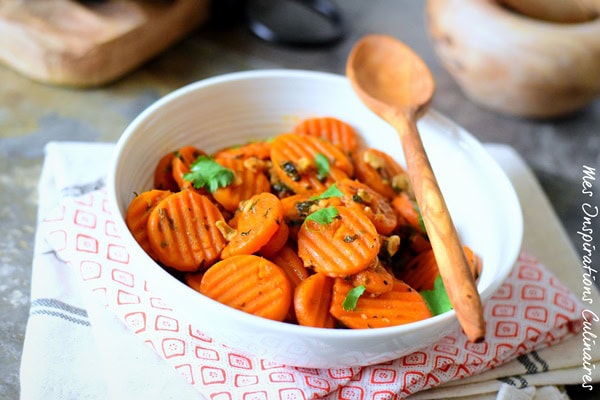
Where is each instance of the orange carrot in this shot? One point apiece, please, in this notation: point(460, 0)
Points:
point(287, 258)
point(163, 174)
point(306, 163)
point(247, 182)
point(137, 214)
point(312, 300)
point(184, 157)
point(421, 271)
point(259, 149)
point(381, 172)
point(344, 245)
point(399, 306)
point(377, 207)
point(408, 211)
point(258, 218)
point(182, 231)
point(251, 284)
point(331, 129)
point(277, 241)
point(376, 279)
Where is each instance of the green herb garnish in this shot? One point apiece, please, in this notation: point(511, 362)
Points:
point(206, 172)
point(322, 166)
point(437, 299)
point(352, 297)
point(324, 215)
point(331, 191)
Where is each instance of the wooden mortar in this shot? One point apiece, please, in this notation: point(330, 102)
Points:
point(515, 64)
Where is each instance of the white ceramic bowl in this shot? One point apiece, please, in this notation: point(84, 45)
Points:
point(234, 108)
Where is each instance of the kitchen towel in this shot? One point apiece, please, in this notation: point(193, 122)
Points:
point(116, 339)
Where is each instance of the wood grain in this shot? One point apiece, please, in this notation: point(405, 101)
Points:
point(65, 42)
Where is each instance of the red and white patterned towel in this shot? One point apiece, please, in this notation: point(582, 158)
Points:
point(531, 310)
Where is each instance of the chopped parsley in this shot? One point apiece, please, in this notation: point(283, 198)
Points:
point(437, 299)
point(205, 172)
point(352, 297)
point(324, 215)
point(331, 191)
point(322, 164)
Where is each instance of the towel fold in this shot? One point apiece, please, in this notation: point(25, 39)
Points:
point(97, 331)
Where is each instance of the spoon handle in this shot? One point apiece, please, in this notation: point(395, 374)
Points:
point(458, 280)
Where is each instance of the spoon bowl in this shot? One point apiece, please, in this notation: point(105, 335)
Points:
point(396, 84)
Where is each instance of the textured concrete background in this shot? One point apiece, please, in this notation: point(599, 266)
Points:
point(31, 114)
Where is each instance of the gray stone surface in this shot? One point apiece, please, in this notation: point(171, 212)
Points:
point(31, 114)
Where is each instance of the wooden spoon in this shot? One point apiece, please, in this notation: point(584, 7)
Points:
point(397, 85)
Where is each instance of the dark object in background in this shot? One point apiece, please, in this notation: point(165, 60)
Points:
point(296, 23)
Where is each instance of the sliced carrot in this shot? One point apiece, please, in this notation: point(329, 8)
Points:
point(378, 208)
point(312, 300)
point(184, 157)
point(182, 231)
point(376, 279)
point(381, 172)
point(163, 174)
point(331, 129)
point(251, 284)
point(343, 247)
point(295, 162)
point(408, 211)
point(421, 271)
point(257, 220)
point(297, 207)
point(258, 149)
point(399, 306)
point(247, 183)
point(277, 241)
point(287, 258)
point(137, 214)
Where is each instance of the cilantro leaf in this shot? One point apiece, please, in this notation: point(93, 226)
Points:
point(437, 299)
point(421, 223)
point(352, 297)
point(206, 172)
point(322, 166)
point(331, 191)
point(324, 215)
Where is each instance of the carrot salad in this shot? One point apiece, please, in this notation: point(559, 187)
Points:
point(310, 228)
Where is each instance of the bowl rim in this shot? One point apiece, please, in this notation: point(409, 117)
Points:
point(282, 327)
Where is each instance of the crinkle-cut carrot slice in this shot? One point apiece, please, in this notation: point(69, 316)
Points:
point(381, 172)
point(422, 270)
point(277, 241)
point(246, 183)
point(331, 129)
point(287, 258)
point(298, 206)
point(407, 211)
point(376, 279)
point(377, 207)
point(183, 233)
point(343, 247)
point(180, 165)
point(257, 220)
point(251, 284)
point(259, 149)
point(401, 305)
point(312, 300)
point(163, 174)
point(137, 215)
point(295, 161)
